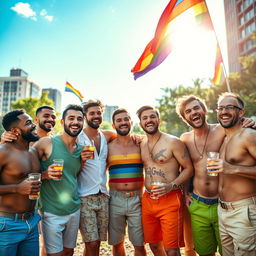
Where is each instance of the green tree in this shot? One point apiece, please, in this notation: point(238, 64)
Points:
point(31, 104)
point(137, 129)
point(106, 126)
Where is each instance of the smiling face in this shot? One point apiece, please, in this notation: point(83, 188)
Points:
point(122, 123)
point(46, 119)
point(229, 112)
point(194, 114)
point(73, 122)
point(93, 117)
point(149, 121)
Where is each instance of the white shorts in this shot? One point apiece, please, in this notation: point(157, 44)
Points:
point(60, 231)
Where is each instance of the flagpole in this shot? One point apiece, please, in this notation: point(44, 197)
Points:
point(223, 65)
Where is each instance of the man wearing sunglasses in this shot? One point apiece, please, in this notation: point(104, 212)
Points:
point(237, 183)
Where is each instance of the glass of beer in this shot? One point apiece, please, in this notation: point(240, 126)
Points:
point(155, 184)
point(91, 150)
point(34, 177)
point(58, 168)
point(212, 159)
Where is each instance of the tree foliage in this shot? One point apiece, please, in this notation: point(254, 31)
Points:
point(243, 84)
point(31, 104)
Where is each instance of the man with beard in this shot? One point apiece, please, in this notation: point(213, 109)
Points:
point(18, 220)
point(203, 205)
point(45, 122)
point(125, 184)
point(59, 202)
point(167, 165)
point(92, 179)
point(237, 185)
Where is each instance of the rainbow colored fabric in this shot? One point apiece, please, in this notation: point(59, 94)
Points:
point(125, 168)
point(219, 77)
point(160, 46)
point(70, 88)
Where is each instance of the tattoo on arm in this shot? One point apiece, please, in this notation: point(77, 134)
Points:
point(185, 153)
point(159, 154)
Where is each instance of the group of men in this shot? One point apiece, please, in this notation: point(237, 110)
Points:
point(222, 208)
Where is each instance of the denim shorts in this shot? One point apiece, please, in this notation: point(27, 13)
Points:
point(19, 237)
point(60, 231)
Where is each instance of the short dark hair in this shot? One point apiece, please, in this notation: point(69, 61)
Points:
point(92, 103)
point(183, 101)
point(72, 107)
point(119, 111)
point(11, 118)
point(44, 107)
point(147, 107)
point(234, 95)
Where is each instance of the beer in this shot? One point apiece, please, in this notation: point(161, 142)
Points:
point(212, 172)
point(154, 184)
point(34, 177)
point(58, 168)
point(90, 149)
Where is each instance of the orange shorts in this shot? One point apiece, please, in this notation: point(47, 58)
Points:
point(162, 219)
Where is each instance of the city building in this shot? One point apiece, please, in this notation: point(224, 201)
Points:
point(240, 24)
point(108, 111)
point(16, 86)
point(54, 95)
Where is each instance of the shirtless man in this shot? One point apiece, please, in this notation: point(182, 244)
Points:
point(237, 185)
point(163, 156)
point(202, 139)
point(18, 221)
point(126, 184)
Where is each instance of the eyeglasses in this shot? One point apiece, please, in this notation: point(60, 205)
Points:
point(227, 108)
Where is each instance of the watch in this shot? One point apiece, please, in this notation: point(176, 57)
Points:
point(174, 186)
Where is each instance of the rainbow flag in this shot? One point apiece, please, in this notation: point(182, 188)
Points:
point(176, 12)
point(219, 77)
point(70, 88)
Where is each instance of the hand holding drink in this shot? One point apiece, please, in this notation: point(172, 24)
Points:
point(58, 168)
point(34, 177)
point(155, 189)
point(213, 163)
point(90, 151)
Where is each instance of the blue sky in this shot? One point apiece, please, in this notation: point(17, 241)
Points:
point(94, 44)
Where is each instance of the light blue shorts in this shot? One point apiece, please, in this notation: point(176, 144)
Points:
point(19, 237)
point(60, 231)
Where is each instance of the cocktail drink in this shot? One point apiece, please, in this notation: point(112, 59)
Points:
point(34, 177)
point(91, 150)
point(58, 168)
point(212, 160)
point(153, 185)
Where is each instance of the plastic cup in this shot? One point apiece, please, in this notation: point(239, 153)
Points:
point(153, 185)
point(58, 168)
point(90, 149)
point(212, 159)
point(34, 177)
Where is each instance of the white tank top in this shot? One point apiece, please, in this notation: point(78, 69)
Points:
point(93, 178)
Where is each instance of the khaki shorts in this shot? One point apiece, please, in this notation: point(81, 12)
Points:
point(237, 225)
point(94, 217)
point(125, 208)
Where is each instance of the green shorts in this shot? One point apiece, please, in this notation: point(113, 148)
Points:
point(205, 228)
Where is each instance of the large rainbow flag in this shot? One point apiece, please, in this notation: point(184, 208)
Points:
point(70, 88)
point(176, 12)
point(219, 76)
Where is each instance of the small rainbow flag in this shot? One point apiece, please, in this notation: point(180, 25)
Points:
point(219, 76)
point(70, 88)
point(176, 12)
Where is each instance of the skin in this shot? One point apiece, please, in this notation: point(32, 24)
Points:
point(16, 162)
point(124, 145)
point(168, 155)
point(74, 124)
point(94, 116)
point(238, 176)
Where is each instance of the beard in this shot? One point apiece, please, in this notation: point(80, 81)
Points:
point(72, 134)
point(123, 133)
point(151, 132)
point(230, 124)
point(43, 127)
point(190, 123)
point(92, 125)
point(28, 136)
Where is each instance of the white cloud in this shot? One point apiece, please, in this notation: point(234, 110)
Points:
point(24, 10)
point(49, 18)
point(43, 12)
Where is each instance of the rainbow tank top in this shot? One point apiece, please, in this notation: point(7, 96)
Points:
point(125, 168)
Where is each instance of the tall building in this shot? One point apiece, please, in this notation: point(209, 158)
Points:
point(108, 111)
point(16, 86)
point(240, 24)
point(54, 95)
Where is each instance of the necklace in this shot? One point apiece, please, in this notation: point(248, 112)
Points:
point(202, 154)
point(150, 151)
